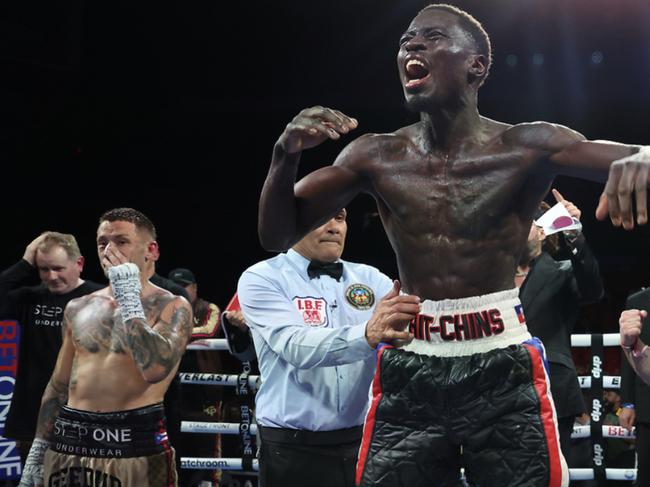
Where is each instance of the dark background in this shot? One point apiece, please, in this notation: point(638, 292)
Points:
point(173, 108)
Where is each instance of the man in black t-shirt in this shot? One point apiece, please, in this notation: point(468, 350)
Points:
point(39, 311)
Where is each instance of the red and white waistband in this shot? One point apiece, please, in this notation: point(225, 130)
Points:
point(478, 324)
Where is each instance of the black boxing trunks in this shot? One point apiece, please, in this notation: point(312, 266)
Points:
point(470, 391)
point(116, 449)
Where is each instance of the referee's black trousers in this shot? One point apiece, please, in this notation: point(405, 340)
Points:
point(297, 458)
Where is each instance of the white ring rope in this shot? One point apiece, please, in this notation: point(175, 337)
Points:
point(610, 473)
point(216, 379)
point(199, 463)
point(609, 431)
point(609, 381)
point(209, 344)
point(582, 431)
point(214, 428)
point(584, 340)
point(581, 340)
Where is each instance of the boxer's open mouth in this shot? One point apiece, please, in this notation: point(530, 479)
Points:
point(417, 72)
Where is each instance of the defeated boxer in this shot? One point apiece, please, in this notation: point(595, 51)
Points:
point(101, 417)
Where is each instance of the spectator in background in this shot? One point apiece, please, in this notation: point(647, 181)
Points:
point(169, 285)
point(551, 293)
point(200, 402)
point(39, 311)
point(635, 369)
point(206, 314)
point(316, 320)
point(620, 451)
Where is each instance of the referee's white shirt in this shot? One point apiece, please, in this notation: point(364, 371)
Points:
point(315, 363)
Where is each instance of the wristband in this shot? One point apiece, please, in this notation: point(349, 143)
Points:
point(633, 352)
point(629, 348)
point(627, 405)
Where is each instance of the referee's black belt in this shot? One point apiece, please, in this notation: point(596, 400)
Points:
point(311, 438)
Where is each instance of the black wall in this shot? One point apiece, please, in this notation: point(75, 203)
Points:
point(173, 108)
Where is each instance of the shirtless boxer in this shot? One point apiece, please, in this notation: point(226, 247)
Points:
point(456, 193)
point(101, 420)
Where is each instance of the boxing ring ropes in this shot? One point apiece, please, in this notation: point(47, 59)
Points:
point(249, 383)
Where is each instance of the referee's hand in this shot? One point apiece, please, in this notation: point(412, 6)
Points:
point(391, 317)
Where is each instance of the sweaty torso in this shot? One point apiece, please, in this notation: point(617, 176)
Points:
point(104, 374)
point(458, 221)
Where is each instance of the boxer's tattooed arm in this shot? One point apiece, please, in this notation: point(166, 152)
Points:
point(158, 350)
point(55, 396)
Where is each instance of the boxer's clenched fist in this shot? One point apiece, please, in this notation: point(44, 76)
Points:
point(630, 323)
point(312, 126)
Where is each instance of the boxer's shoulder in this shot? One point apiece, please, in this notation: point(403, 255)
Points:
point(542, 135)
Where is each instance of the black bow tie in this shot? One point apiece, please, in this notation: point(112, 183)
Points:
point(317, 268)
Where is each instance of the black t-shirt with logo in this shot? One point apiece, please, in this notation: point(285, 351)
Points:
point(40, 315)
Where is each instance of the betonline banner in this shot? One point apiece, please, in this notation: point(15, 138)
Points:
point(9, 458)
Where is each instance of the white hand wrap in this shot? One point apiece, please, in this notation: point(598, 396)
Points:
point(33, 469)
point(125, 281)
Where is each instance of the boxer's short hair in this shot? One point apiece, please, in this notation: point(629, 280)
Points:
point(136, 217)
point(473, 27)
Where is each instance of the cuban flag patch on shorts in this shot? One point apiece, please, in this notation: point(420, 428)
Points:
point(313, 310)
